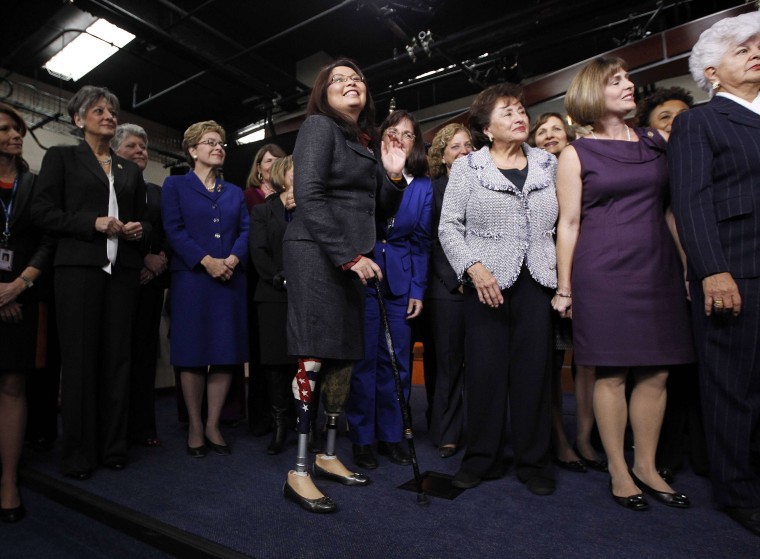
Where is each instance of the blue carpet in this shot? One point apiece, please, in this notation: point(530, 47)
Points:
point(237, 501)
point(51, 531)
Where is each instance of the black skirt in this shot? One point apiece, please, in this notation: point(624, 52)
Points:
point(23, 346)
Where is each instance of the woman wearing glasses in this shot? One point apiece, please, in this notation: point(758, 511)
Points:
point(206, 224)
point(402, 250)
point(343, 181)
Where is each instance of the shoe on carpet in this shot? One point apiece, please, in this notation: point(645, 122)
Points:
point(364, 457)
point(465, 480)
point(541, 485)
point(747, 517)
point(394, 452)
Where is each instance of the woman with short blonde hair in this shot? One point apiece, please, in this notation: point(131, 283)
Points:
point(206, 224)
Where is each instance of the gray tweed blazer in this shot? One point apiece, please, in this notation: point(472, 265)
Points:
point(487, 219)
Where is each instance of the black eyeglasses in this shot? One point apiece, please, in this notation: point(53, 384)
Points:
point(405, 135)
point(340, 78)
point(213, 143)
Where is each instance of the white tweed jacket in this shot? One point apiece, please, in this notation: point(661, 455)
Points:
point(487, 219)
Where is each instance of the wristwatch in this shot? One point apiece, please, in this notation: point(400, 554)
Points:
point(27, 282)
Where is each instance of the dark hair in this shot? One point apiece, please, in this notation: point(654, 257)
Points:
point(542, 119)
point(658, 97)
point(416, 162)
point(483, 105)
point(21, 164)
point(253, 176)
point(87, 96)
point(318, 104)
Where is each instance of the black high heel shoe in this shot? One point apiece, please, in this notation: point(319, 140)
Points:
point(634, 502)
point(598, 465)
point(197, 451)
point(10, 516)
point(15, 514)
point(222, 449)
point(322, 505)
point(675, 500)
point(353, 479)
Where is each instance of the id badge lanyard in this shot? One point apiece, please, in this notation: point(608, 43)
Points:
point(8, 210)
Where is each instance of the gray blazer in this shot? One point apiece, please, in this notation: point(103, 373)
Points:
point(487, 219)
point(337, 182)
point(338, 185)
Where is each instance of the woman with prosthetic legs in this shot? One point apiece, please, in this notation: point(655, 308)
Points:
point(335, 380)
point(344, 179)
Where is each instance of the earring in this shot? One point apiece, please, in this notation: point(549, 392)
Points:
point(490, 138)
point(715, 85)
point(195, 157)
point(259, 176)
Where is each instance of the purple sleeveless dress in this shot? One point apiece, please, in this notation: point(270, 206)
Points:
point(629, 299)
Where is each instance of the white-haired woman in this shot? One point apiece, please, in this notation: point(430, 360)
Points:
point(714, 158)
point(131, 143)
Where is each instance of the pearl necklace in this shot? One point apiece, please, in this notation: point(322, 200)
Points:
point(105, 162)
point(627, 131)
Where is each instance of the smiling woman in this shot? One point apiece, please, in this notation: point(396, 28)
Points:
point(619, 274)
point(498, 213)
point(25, 258)
point(93, 201)
point(206, 224)
point(343, 181)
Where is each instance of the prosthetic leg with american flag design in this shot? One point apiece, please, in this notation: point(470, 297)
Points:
point(335, 380)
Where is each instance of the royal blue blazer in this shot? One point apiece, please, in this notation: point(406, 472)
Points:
point(404, 242)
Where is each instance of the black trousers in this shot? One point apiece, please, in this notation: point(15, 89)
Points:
point(145, 338)
point(447, 319)
point(95, 313)
point(508, 367)
point(728, 348)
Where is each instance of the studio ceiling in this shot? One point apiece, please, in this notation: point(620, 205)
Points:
point(237, 61)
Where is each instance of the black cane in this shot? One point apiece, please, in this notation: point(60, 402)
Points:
point(406, 416)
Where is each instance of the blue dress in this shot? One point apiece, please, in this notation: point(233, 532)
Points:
point(209, 318)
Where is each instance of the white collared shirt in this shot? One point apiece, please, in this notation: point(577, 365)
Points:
point(754, 106)
point(112, 243)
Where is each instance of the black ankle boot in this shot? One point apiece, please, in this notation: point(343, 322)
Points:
point(280, 434)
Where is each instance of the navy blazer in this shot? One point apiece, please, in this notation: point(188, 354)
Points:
point(72, 192)
point(403, 249)
point(30, 246)
point(714, 161)
point(199, 223)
